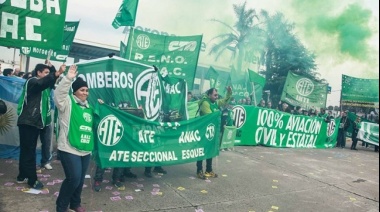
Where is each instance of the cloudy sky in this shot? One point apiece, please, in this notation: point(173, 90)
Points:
point(344, 35)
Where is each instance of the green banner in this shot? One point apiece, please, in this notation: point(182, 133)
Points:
point(119, 82)
point(192, 109)
point(32, 23)
point(224, 80)
point(123, 49)
point(126, 16)
point(369, 132)
point(360, 92)
point(240, 86)
point(124, 140)
point(276, 129)
point(212, 75)
point(175, 56)
point(256, 78)
point(70, 30)
point(304, 92)
point(228, 139)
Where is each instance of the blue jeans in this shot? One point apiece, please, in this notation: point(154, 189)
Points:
point(45, 137)
point(75, 168)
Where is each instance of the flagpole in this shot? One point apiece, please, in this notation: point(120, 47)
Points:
point(131, 36)
point(254, 93)
point(21, 61)
point(341, 106)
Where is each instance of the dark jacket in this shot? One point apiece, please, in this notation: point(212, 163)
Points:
point(31, 113)
point(355, 130)
point(346, 123)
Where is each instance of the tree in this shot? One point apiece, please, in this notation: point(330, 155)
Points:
point(245, 37)
point(284, 52)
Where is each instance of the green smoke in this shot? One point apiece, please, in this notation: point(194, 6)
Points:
point(351, 28)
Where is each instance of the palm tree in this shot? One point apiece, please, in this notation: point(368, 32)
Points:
point(243, 40)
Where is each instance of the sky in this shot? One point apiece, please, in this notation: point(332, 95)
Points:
point(344, 35)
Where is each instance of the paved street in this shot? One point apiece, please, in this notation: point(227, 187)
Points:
point(251, 179)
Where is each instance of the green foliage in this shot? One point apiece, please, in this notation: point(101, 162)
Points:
point(283, 53)
point(268, 40)
point(243, 38)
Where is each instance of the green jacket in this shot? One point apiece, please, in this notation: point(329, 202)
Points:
point(207, 107)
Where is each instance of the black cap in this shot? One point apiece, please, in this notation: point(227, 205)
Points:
point(78, 83)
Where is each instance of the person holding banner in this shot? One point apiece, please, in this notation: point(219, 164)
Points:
point(343, 126)
point(355, 131)
point(209, 105)
point(34, 116)
point(75, 138)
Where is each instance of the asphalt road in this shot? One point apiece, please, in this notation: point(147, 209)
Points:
point(251, 179)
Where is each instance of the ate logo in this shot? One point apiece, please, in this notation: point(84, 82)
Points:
point(143, 41)
point(331, 128)
point(210, 132)
point(110, 130)
point(229, 135)
point(305, 87)
point(239, 116)
point(26, 50)
point(148, 93)
point(87, 117)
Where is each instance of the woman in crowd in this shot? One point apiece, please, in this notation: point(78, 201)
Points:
point(74, 144)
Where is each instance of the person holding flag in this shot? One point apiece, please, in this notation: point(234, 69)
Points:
point(208, 105)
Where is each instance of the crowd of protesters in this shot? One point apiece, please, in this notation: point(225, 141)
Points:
point(16, 72)
point(75, 162)
point(327, 114)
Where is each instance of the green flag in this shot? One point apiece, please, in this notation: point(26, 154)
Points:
point(228, 138)
point(241, 88)
point(304, 92)
point(369, 132)
point(122, 49)
point(192, 108)
point(124, 140)
point(175, 56)
point(224, 80)
point(32, 23)
point(256, 78)
point(126, 16)
point(212, 75)
point(70, 30)
point(259, 83)
point(360, 92)
point(120, 82)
